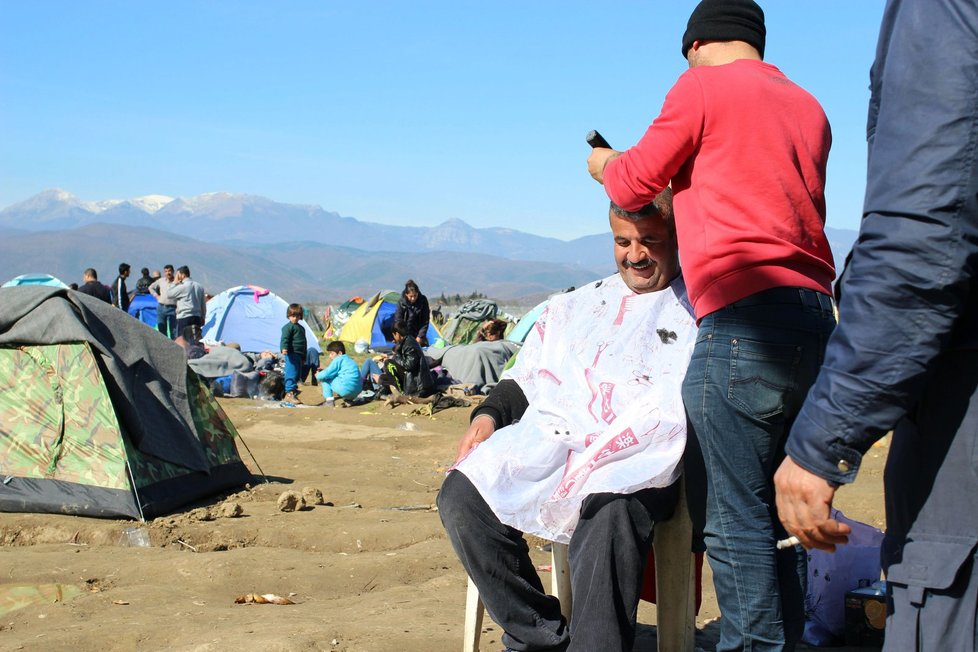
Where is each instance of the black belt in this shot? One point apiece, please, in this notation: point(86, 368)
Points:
point(798, 296)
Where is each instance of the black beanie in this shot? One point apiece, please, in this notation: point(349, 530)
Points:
point(726, 20)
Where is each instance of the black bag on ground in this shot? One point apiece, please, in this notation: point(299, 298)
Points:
point(244, 384)
point(272, 387)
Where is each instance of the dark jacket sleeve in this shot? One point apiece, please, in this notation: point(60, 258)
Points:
point(407, 357)
point(424, 315)
point(401, 310)
point(908, 292)
point(506, 404)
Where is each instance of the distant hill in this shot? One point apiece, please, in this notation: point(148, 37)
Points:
point(297, 271)
point(223, 217)
point(299, 251)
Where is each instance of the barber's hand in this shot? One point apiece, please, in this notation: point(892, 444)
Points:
point(599, 158)
point(479, 430)
point(804, 500)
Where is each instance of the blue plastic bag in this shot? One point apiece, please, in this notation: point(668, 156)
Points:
point(831, 574)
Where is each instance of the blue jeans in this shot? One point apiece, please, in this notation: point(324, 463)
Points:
point(166, 320)
point(293, 364)
point(751, 368)
point(368, 370)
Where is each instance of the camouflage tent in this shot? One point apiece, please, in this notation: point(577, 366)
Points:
point(100, 416)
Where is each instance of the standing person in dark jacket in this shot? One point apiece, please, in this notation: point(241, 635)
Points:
point(92, 287)
point(414, 313)
point(293, 347)
point(144, 281)
point(120, 295)
point(407, 368)
point(905, 353)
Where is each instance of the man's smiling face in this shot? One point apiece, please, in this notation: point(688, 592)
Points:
point(645, 252)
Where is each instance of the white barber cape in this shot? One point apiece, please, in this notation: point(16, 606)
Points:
point(602, 370)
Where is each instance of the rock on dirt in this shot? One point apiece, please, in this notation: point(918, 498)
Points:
point(313, 496)
point(230, 510)
point(290, 501)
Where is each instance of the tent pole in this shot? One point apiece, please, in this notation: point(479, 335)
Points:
point(132, 483)
point(257, 465)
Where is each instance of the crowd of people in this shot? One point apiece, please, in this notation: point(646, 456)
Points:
point(181, 301)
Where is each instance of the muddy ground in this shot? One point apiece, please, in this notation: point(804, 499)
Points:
point(369, 571)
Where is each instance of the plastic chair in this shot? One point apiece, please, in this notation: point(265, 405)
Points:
point(675, 586)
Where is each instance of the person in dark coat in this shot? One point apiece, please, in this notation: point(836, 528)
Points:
point(92, 287)
point(905, 353)
point(406, 368)
point(413, 311)
point(120, 295)
point(144, 281)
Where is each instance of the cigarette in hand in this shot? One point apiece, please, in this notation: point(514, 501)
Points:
point(790, 542)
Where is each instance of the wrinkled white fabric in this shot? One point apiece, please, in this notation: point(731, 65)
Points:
point(602, 370)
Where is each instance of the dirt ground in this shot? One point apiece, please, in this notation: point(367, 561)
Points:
point(370, 571)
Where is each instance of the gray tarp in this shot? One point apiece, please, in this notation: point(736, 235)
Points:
point(145, 373)
point(479, 363)
point(221, 361)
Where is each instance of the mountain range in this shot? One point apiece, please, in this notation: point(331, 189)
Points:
point(303, 253)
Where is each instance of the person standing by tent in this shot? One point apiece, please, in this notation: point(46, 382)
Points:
point(413, 311)
point(293, 347)
point(188, 295)
point(120, 295)
point(92, 287)
point(166, 310)
point(750, 216)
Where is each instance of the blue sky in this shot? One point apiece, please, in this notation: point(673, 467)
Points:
point(405, 113)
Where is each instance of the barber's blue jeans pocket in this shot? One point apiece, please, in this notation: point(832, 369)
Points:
point(762, 375)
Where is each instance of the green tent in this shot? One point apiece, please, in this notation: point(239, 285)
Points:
point(100, 416)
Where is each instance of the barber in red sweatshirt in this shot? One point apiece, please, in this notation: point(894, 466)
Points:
point(745, 150)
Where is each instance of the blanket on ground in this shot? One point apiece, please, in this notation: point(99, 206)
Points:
point(221, 361)
point(479, 363)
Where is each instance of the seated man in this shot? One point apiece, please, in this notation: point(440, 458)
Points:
point(580, 442)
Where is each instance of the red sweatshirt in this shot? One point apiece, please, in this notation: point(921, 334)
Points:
point(745, 149)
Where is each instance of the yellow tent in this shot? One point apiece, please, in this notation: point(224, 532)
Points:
point(372, 322)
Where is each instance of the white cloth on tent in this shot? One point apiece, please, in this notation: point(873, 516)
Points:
point(602, 371)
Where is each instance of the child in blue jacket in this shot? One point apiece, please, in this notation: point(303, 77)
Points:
point(342, 376)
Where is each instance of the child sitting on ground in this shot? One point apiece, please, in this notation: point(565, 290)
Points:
point(293, 347)
point(342, 376)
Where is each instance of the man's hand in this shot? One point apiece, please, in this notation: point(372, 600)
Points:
point(479, 430)
point(804, 501)
point(599, 158)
